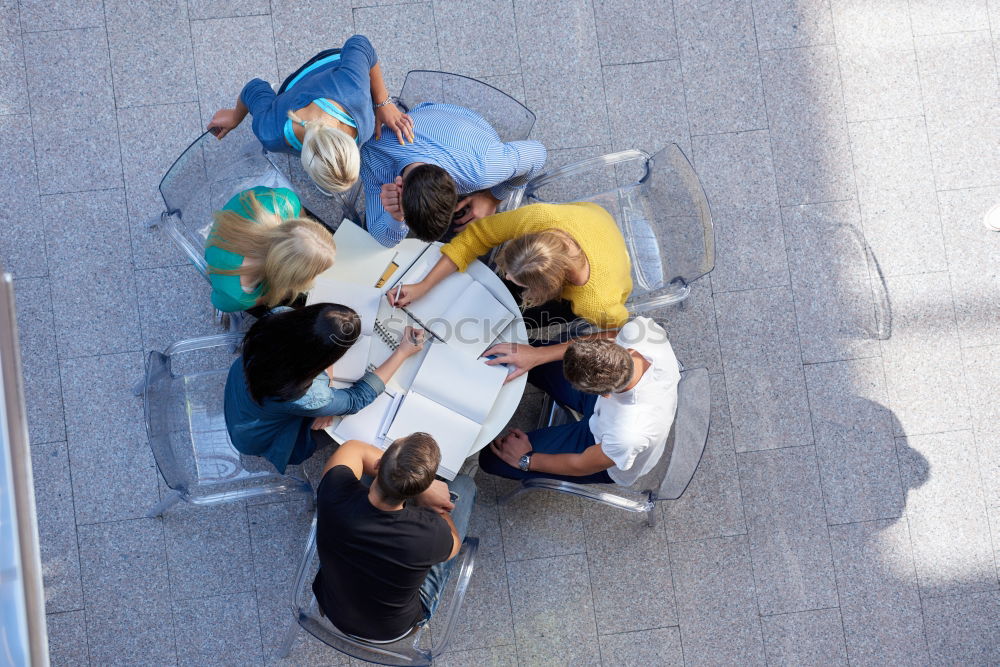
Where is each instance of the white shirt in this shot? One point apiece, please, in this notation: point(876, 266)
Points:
point(632, 426)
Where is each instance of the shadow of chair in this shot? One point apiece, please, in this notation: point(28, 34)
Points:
point(404, 651)
point(672, 473)
point(186, 427)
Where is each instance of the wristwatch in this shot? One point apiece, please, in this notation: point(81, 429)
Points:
point(524, 462)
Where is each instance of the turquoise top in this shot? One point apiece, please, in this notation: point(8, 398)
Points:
point(227, 293)
point(331, 109)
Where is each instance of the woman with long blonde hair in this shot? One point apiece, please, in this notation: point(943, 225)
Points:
point(323, 112)
point(262, 253)
point(570, 253)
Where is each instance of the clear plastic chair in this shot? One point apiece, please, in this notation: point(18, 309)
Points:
point(511, 119)
point(187, 432)
point(669, 477)
point(405, 651)
point(660, 207)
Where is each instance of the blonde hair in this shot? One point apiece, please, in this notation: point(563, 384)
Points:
point(541, 262)
point(288, 254)
point(329, 155)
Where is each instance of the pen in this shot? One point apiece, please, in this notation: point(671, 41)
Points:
point(398, 289)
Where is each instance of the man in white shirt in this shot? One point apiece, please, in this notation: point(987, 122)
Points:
point(626, 390)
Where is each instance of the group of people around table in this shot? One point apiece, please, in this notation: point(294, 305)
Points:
point(387, 528)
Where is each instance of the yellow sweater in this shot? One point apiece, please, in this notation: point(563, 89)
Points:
point(601, 301)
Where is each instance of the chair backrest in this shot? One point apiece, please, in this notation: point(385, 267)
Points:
point(406, 651)
point(661, 210)
point(686, 442)
point(186, 427)
point(511, 119)
point(205, 176)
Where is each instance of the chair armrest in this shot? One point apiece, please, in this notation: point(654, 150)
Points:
point(203, 343)
point(304, 564)
point(694, 410)
point(194, 255)
point(608, 160)
point(465, 561)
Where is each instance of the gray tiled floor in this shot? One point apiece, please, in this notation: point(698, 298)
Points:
point(848, 505)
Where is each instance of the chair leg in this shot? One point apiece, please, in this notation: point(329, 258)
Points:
point(169, 500)
point(651, 517)
point(285, 647)
point(139, 386)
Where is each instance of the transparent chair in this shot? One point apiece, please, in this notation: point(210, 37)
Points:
point(405, 651)
point(669, 477)
point(660, 207)
point(187, 431)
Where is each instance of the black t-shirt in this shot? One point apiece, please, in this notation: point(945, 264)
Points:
point(372, 562)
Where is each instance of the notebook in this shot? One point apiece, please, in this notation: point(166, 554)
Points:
point(365, 301)
point(459, 310)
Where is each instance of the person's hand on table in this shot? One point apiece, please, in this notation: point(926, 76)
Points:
point(395, 120)
point(413, 342)
point(477, 205)
point(321, 423)
point(392, 198)
point(224, 121)
point(511, 447)
point(437, 497)
point(521, 356)
point(407, 294)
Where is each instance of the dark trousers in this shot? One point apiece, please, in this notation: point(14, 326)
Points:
point(570, 438)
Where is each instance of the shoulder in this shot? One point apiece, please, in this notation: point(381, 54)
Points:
point(338, 482)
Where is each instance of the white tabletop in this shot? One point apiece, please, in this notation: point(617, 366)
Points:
point(360, 259)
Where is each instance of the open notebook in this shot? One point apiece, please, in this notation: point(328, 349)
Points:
point(450, 398)
point(459, 310)
point(365, 301)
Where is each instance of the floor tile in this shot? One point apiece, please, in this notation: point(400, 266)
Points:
point(828, 262)
point(922, 358)
point(123, 551)
point(712, 505)
point(85, 232)
point(962, 629)
point(114, 476)
point(691, 327)
point(961, 147)
point(880, 83)
point(562, 72)
point(896, 189)
point(737, 174)
point(97, 315)
point(647, 128)
point(303, 28)
point(67, 633)
point(982, 375)
point(174, 303)
point(582, 185)
point(151, 139)
point(512, 84)
point(973, 260)
point(553, 610)
point(13, 87)
point(763, 369)
point(854, 441)
point(39, 366)
point(956, 71)
point(278, 533)
point(60, 555)
point(221, 630)
point(787, 530)
point(805, 108)
point(405, 39)
point(721, 72)
point(646, 647)
point(878, 593)
point(53, 86)
point(131, 633)
point(629, 571)
point(79, 153)
point(716, 602)
point(465, 26)
point(785, 24)
point(930, 17)
point(635, 31)
point(151, 55)
point(212, 9)
point(22, 238)
point(275, 618)
point(497, 656)
point(539, 524)
point(206, 551)
point(805, 638)
point(60, 14)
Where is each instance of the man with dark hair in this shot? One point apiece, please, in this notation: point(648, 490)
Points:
point(626, 390)
point(456, 169)
point(385, 548)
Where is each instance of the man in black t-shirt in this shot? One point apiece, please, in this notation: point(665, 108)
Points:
point(384, 548)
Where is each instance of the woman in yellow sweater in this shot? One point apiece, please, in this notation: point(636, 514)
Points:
point(569, 251)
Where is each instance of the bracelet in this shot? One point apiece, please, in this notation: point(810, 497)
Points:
point(388, 100)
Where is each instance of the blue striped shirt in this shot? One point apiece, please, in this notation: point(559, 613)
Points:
point(459, 141)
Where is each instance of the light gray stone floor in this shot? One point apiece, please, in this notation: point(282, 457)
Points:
point(847, 509)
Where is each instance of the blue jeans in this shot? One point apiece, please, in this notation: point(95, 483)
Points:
point(570, 438)
point(463, 494)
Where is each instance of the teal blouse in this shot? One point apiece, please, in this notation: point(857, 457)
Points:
point(227, 293)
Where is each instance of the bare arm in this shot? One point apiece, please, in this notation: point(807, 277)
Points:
point(359, 456)
point(413, 342)
point(226, 120)
point(514, 446)
point(388, 115)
